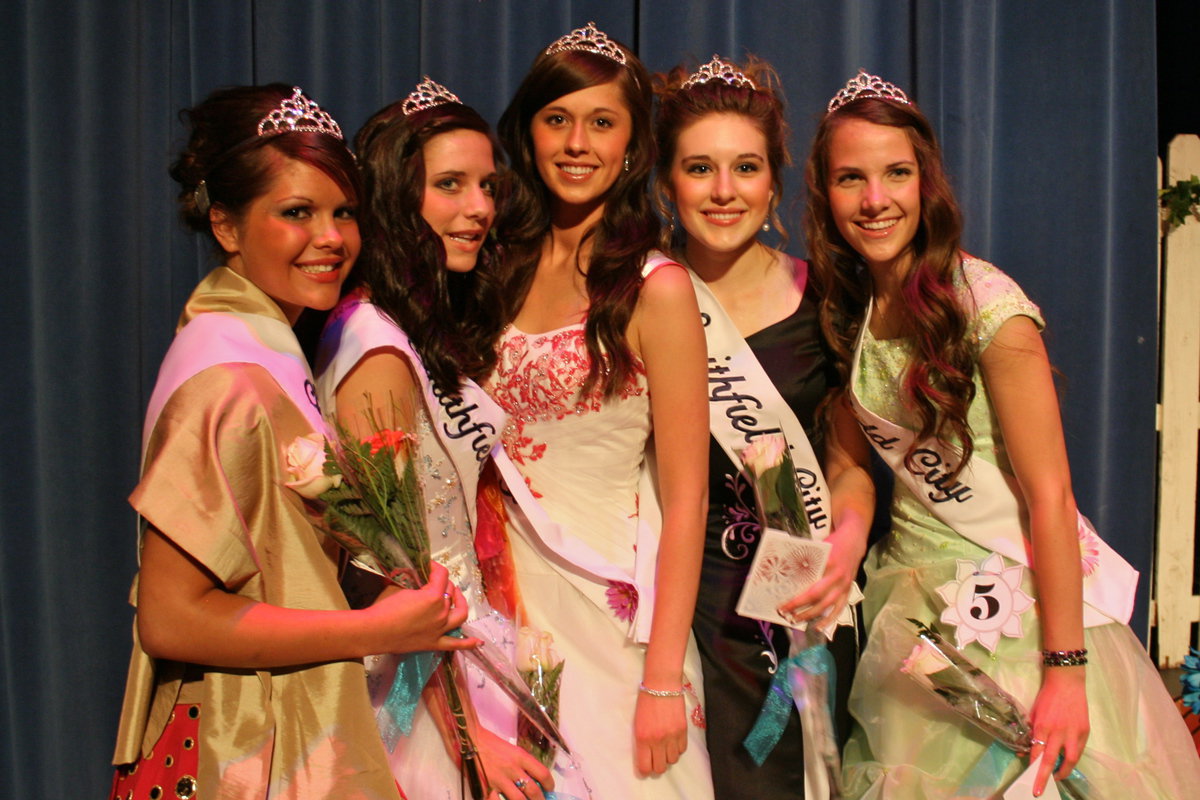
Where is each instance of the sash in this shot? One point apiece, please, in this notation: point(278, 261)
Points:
point(231, 337)
point(984, 505)
point(583, 562)
point(743, 403)
point(467, 423)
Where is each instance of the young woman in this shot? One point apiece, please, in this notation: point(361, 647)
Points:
point(722, 145)
point(402, 348)
point(246, 678)
point(604, 348)
point(945, 369)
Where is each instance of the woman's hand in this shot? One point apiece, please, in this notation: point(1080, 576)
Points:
point(824, 600)
point(407, 620)
point(1060, 723)
point(511, 771)
point(660, 732)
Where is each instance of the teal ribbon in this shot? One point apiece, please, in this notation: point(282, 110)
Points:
point(990, 773)
point(396, 716)
point(777, 706)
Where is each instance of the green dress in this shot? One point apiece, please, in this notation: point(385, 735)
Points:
point(907, 743)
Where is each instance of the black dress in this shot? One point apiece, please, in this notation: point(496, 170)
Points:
point(739, 654)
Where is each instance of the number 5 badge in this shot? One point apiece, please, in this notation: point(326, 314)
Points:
point(985, 601)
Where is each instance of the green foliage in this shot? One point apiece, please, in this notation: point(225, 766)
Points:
point(1179, 201)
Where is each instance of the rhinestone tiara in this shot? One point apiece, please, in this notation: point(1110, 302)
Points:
point(298, 113)
point(866, 85)
point(590, 40)
point(718, 70)
point(428, 94)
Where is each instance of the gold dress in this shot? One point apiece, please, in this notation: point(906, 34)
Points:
point(212, 483)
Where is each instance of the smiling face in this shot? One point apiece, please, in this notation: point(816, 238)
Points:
point(875, 191)
point(297, 241)
point(720, 182)
point(579, 144)
point(459, 195)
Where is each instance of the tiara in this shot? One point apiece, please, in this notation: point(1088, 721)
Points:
point(865, 85)
point(718, 70)
point(589, 40)
point(428, 94)
point(298, 113)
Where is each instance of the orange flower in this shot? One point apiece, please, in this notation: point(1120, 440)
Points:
point(389, 438)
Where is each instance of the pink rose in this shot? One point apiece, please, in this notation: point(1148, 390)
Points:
point(305, 463)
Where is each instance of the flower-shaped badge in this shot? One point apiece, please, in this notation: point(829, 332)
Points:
point(985, 602)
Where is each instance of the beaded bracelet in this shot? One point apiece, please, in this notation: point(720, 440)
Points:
point(1065, 658)
point(660, 692)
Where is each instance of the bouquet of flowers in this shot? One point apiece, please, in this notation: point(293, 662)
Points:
point(940, 668)
point(787, 560)
point(541, 669)
point(374, 510)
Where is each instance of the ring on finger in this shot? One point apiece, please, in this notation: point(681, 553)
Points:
point(1041, 742)
point(521, 783)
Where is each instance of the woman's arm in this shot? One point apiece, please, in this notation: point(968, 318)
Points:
point(1017, 373)
point(670, 341)
point(184, 614)
point(382, 387)
point(852, 497)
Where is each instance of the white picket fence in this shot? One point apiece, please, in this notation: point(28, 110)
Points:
point(1176, 607)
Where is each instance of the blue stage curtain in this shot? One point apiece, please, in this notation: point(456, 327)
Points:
point(1046, 112)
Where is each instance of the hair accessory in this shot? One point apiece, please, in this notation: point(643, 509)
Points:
point(298, 113)
point(866, 85)
point(428, 94)
point(718, 70)
point(200, 197)
point(589, 40)
point(660, 692)
point(1065, 658)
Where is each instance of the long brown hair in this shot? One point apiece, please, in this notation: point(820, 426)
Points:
point(450, 318)
point(939, 383)
point(622, 237)
point(678, 108)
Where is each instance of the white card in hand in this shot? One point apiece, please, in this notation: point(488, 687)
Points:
point(782, 567)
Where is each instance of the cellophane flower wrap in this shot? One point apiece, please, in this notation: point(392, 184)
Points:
point(805, 678)
point(541, 668)
point(941, 669)
point(768, 460)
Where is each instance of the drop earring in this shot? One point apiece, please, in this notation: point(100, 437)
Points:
point(627, 162)
point(766, 227)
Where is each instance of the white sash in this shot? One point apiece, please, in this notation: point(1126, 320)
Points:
point(467, 423)
point(743, 403)
point(230, 337)
point(984, 505)
point(584, 562)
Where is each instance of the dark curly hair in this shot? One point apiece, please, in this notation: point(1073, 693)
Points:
point(451, 318)
point(236, 164)
point(678, 108)
point(939, 383)
point(626, 232)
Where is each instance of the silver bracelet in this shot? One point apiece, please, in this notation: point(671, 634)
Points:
point(660, 692)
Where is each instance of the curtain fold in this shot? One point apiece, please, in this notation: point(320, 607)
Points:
point(1046, 113)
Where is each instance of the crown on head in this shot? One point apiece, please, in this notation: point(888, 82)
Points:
point(428, 94)
point(298, 113)
point(589, 40)
point(718, 70)
point(866, 85)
